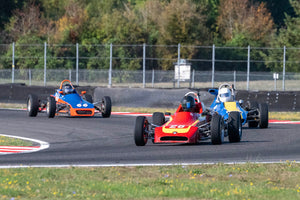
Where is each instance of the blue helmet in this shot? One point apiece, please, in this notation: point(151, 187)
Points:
point(68, 89)
point(187, 103)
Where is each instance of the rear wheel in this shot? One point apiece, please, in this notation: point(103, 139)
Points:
point(32, 105)
point(234, 127)
point(263, 115)
point(141, 131)
point(88, 98)
point(51, 107)
point(252, 105)
point(217, 129)
point(158, 118)
point(106, 107)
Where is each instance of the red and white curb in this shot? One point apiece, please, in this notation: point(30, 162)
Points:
point(283, 122)
point(4, 150)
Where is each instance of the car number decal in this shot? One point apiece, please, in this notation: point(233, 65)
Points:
point(177, 126)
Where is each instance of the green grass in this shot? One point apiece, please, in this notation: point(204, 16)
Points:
point(8, 141)
point(220, 181)
point(293, 116)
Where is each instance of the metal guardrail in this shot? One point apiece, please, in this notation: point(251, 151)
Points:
point(109, 73)
point(151, 78)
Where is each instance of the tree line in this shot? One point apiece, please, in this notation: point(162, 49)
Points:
point(228, 23)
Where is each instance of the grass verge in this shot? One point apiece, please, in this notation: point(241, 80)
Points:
point(8, 141)
point(220, 181)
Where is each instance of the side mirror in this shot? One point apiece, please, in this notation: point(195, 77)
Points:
point(83, 92)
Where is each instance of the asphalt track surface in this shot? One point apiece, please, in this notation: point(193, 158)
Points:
point(109, 141)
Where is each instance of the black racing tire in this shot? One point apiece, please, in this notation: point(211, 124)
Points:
point(217, 129)
point(51, 107)
point(263, 115)
point(141, 131)
point(158, 118)
point(235, 130)
point(252, 105)
point(88, 98)
point(106, 107)
point(32, 105)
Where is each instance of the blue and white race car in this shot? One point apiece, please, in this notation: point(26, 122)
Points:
point(235, 113)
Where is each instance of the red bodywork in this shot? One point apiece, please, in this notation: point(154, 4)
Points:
point(181, 128)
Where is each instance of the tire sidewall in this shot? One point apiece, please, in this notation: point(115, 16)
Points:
point(106, 107)
point(234, 128)
point(140, 133)
point(217, 129)
point(51, 107)
point(263, 115)
point(32, 105)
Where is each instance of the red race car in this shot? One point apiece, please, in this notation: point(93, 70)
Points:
point(191, 123)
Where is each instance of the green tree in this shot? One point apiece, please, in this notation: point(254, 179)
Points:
point(278, 8)
point(28, 53)
point(180, 21)
point(6, 10)
point(26, 22)
point(288, 36)
point(71, 25)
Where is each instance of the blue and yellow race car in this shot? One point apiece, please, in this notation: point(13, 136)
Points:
point(235, 113)
point(66, 100)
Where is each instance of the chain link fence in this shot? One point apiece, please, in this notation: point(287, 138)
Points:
point(141, 66)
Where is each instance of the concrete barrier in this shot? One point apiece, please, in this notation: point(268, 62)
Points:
point(139, 97)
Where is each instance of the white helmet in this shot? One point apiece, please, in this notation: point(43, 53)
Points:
point(225, 95)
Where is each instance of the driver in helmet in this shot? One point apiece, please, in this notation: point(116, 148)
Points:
point(188, 103)
point(68, 89)
point(225, 95)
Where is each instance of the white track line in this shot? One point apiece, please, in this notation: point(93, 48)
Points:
point(43, 145)
point(140, 165)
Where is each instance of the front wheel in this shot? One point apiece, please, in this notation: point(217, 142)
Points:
point(217, 129)
point(51, 107)
point(106, 107)
point(32, 105)
point(141, 131)
point(263, 115)
point(234, 127)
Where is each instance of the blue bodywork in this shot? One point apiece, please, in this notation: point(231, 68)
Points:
point(219, 107)
point(74, 99)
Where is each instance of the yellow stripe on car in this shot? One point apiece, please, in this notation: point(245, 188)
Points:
point(231, 106)
point(177, 130)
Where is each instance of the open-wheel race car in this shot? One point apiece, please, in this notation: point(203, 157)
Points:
point(67, 101)
point(191, 123)
point(251, 112)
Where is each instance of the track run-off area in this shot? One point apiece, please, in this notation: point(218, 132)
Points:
point(96, 141)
